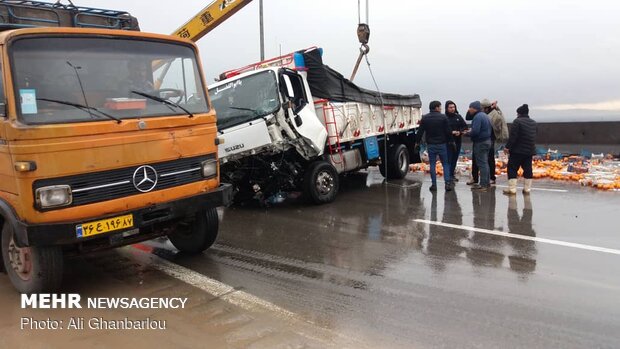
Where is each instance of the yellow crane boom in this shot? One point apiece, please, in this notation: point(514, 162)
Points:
point(209, 18)
point(203, 22)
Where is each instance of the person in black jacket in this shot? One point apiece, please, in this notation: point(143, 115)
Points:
point(435, 126)
point(521, 147)
point(457, 126)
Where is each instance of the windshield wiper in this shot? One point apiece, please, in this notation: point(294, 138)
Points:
point(164, 101)
point(75, 69)
point(242, 108)
point(254, 111)
point(88, 109)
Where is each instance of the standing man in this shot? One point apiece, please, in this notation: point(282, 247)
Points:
point(499, 131)
point(469, 116)
point(521, 147)
point(438, 135)
point(457, 126)
point(480, 134)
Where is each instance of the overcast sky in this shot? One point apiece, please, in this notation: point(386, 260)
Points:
point(560, 57)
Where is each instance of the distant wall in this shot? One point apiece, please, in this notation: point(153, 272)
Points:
point(573, 137)
point(579, 133)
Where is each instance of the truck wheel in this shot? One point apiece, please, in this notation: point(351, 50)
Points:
point(321, 182)
point(196, 235)
point(34, 269)
point(397, 163)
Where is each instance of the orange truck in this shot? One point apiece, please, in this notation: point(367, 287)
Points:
point(101, 144)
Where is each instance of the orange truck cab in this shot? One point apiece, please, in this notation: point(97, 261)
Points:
point(107, 138)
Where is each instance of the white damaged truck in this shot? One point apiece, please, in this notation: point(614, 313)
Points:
point(292, 124)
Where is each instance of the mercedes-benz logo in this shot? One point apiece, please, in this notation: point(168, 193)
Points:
point(145, 178)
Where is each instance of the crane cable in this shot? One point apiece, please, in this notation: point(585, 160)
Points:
point(385, 135)
point(363, 35)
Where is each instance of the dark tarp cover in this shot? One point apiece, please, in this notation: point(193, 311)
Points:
point(329, 84)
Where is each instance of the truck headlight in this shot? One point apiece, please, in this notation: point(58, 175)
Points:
point(53, 196)
point(209, 168)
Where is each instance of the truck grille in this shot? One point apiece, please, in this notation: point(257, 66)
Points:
point(108, 185)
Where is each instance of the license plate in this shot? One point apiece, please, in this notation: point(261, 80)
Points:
point(104, 226)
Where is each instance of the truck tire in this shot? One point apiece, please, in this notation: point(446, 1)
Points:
point(397, 163)
point(198, 234)
point(321, 182)
point(34, 269)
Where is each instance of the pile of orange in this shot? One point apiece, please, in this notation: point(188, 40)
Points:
point(423, 167)
point(558, 170)
point(419, 167)
point(608, 185)
point(553, 169)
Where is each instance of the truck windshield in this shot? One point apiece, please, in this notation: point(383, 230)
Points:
point(74, 79)
point(245, 99)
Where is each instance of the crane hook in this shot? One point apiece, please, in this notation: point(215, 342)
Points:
point(363, 34)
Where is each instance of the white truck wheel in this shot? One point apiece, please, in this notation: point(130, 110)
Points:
point(321, 182)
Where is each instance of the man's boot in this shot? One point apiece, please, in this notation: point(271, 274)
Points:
point(528, 186)
point(512, 187)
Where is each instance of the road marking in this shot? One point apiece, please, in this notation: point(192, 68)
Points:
point(537, 189)
point(214, 287)
point(408, 185)
point(523, 237)
point(520, 188)
point(244, 300)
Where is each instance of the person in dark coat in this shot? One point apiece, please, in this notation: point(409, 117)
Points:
point(521, 147)
point(480, 133)
point(499, 134)
point(435, 126)
point(457, 126)
point(469, 116)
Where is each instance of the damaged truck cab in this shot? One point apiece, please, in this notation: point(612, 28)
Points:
point(267, 111)
point(292, 124)
point(107, 138)
point(271, 133)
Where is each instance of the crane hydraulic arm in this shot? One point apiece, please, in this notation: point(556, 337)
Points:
point(209, 18)
point(203, 22)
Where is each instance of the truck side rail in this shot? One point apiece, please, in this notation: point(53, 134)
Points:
point(355, 120)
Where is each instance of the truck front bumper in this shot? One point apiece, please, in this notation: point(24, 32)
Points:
point(151, 221)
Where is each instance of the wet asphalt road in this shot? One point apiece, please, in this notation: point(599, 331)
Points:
point(374, 269)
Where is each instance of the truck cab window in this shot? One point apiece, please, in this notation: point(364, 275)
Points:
point(60, 80)
point(245, 99)
point(299, 98)
point(2, 95)
point(179, 77)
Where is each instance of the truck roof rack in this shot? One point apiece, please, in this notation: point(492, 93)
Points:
point(27, 14)
point(289, 60)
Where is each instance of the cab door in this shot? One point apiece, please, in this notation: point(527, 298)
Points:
point(7, 174)
point(300, 112)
